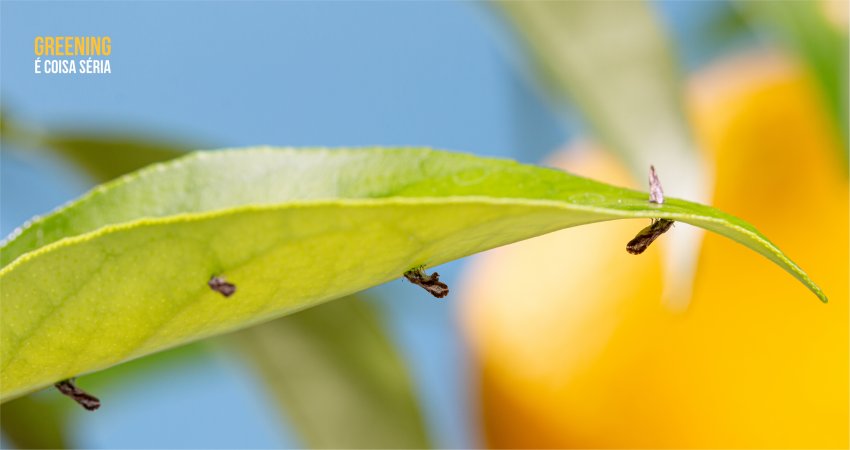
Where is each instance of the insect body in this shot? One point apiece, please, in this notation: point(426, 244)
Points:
point(430, 283)
point(647, 235)
point(86, 400)
point(220, 285)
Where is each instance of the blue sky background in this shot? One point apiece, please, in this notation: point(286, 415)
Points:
point(446, 75)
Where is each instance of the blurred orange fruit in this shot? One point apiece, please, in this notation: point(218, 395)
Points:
point(575, 349)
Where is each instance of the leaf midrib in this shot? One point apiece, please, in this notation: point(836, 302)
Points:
point(423, 201)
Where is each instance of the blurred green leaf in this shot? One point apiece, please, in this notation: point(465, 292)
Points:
point(613, 60)
point(726, 25)
point(290, 228)
point(106, 157)
point(103, 156)
point(342, 386)
point(35, 421)
point(803, 27)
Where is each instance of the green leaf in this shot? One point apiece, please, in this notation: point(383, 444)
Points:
point(804, 28)
point(615, 63)
point(342, 386)
point(397, 424)
point(123, 271)
point(102, 156)
point(36, 421)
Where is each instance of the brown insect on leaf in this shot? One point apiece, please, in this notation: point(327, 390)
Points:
point(220, 285)
point(86, 400)
point(648, 235)
point(430, 283)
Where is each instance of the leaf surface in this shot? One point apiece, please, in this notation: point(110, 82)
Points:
point(340, 385)
point(372, 406)
point(123, 271)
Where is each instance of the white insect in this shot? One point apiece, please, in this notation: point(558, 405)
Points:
point(656, 194)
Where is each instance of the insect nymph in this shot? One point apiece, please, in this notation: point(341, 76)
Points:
point(430, 283)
